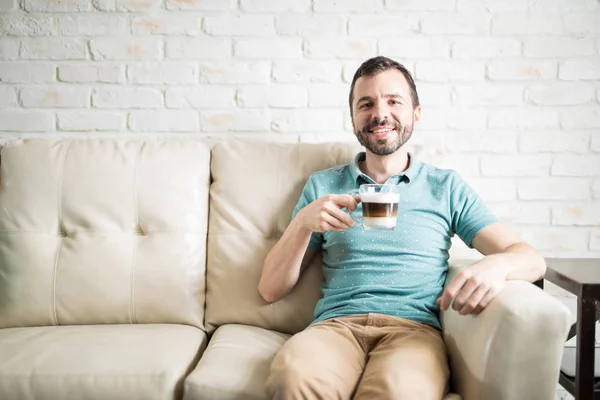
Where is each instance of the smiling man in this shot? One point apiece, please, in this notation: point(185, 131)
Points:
point(376, 332)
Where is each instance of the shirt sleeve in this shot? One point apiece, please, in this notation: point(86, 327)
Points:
point(469, 213)
point(309, 194)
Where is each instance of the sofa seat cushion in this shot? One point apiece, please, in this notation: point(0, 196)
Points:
point(98, 361)
point(235, 364)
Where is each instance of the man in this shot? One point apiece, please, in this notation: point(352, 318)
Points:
point(376, 333)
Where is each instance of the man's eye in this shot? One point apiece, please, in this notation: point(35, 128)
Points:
point(394, 102)
point(366, 105)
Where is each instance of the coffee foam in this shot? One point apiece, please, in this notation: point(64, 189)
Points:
point(380, 197)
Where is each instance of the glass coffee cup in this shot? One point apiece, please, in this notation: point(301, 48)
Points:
point(379, 205)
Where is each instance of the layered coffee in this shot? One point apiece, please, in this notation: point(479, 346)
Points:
point(380, 210)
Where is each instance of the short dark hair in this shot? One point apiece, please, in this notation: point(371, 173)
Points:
point(378, 64)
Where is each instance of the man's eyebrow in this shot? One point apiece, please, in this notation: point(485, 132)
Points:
point(364, 98)
point(389, 95)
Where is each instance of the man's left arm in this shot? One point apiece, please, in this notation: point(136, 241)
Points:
point(506, 257)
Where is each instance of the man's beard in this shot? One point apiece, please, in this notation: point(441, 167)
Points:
point(385, 146)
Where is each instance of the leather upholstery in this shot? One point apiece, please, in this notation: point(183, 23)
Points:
point(97, 362)
point(111, 236)
point(513, 349)
point(254, 190)
point(102, 232)
point(236, 365)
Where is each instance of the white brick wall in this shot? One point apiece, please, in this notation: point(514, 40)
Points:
point(118, 97)
point(511, 89)
point(164, 121)
point(52, 48)
point(89, 73)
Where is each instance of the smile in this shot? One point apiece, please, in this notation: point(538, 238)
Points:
point(381, 130)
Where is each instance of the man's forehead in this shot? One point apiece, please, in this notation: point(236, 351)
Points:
point(389, 81)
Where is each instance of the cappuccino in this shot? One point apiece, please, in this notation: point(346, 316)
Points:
point(380, 210)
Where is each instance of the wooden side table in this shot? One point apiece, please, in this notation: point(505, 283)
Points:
point(580, 276)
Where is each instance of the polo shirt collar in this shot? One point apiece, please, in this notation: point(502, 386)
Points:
point(409, 174)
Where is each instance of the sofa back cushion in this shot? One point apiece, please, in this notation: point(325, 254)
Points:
point(254, 190)
point(95, 232)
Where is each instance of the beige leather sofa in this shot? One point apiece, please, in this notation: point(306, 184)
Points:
point(120, 259)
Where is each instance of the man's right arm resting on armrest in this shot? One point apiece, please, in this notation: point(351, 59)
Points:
point(286, 261)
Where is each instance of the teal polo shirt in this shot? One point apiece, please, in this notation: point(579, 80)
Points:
point(401, 272)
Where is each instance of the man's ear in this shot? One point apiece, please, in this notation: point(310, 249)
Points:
point(417, 115)
point(352, 122)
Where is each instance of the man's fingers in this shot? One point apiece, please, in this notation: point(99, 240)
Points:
point(342, 216)
point(344, 200)
point(474, 300)
point(487, 299)
point(465, 293)
point(334, 222)
point(452, 290)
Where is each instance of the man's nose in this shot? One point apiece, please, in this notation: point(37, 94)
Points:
point(380, 113)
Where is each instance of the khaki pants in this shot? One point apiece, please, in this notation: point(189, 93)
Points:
point(369, 357)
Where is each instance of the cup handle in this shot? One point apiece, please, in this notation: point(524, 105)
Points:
point(353, 193)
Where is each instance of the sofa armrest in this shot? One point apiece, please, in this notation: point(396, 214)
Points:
point(512, 350)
